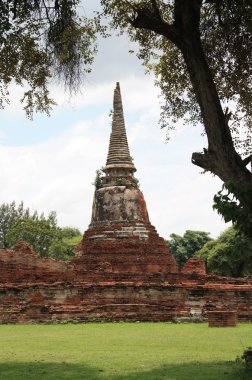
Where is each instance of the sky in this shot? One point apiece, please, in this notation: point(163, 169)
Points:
point(50, 162)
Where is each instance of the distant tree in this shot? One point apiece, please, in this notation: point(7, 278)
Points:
point(184, 247)
point(58, 250)
point(10, 215)
point(43, 233)
point(40, 234)
point(70, 232)
point(64, 248)
point(40, 39)
point(229, 255)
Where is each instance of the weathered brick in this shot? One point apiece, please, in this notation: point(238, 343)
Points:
point(122, 270)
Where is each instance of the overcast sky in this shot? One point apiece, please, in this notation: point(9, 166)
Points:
point(50, 163)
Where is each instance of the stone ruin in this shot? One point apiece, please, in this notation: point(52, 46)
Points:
point(120, 236)
point(123, 270)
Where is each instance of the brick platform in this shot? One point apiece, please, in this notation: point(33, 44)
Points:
point(222, 318)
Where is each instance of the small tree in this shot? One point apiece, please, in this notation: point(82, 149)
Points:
point(43, 233)
point(184, 247)
point(98, 179)
point(38, 233)
point(10, 215)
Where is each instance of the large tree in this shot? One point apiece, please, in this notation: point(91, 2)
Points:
point(41, 39)
point(201, 54)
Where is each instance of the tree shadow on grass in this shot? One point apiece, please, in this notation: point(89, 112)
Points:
point(70, 371)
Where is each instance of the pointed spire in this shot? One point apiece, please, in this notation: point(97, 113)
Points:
point(118, 154)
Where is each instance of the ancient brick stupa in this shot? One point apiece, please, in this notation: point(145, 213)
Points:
point(120, 238)
point(123, 270)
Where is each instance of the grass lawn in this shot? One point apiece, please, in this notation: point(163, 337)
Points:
point(123, 351)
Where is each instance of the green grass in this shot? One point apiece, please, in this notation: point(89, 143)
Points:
point(123, 351)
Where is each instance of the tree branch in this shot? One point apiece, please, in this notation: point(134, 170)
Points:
point(204, 160)
point(247, 160)
point(192, 11)
point(47, 13)
point(218, 4)
point(151, 19)
point(156, 9)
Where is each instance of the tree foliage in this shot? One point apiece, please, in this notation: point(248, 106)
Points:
point(40, 39)
point(11, 214)
point(229, 255)
point(184, 247)
point(71, 237)
point(43, 234)
point(38, 233)
point(232, 203)
point(98, 178)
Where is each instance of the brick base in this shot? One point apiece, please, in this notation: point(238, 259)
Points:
point(222, 318)
point(34, 290)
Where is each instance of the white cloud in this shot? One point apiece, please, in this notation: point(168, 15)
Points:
point(56, 174)
point(137, 93)
point(178, 196)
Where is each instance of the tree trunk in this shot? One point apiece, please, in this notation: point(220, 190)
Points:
point(221, 157)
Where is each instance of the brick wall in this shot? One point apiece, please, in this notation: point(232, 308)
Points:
point(46, 290)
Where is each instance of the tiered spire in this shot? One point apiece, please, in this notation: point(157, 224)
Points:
point(118, 154)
